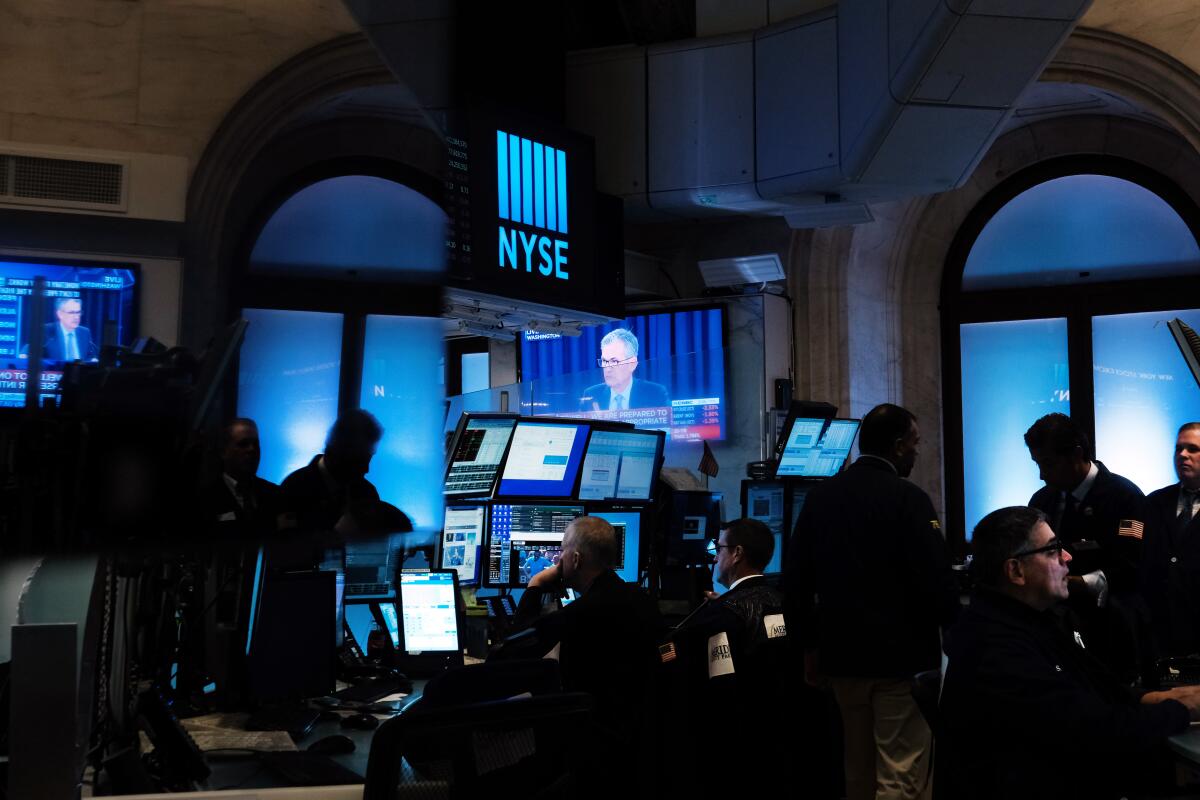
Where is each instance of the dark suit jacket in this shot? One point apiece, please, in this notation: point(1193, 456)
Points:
point(316, 504)
point(228, 520)
point(1111, 499)
point(868, 580)
point(1170, 575)
point(54, 347)
point(1027, 713)
point(642, 394)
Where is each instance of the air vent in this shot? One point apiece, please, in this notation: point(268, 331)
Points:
point(62, 182)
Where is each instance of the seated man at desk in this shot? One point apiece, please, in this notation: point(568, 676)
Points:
point(606, 641)
point(1026, 711)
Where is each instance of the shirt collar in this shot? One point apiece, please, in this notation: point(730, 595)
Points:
point(880, 459)
point(1081, 490)
point(231, 482)
point(744, 578)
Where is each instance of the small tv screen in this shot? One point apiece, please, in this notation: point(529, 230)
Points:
point(816, 448)
point(664, 371)
point(80, 302)
point(543, 459)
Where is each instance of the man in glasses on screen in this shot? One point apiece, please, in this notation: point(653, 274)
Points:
point(1026, 711)
point(620, 390)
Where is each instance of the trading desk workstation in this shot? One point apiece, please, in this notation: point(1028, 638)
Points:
point(327, 668)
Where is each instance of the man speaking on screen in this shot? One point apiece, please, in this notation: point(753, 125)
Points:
point(620, 390)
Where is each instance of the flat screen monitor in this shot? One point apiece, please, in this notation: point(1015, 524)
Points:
point(476, 453)
point(80, 302)
point(462, 536)
point(658, 370)
point(427, 608)
point(543, 460)
point(816, 448)
point(620, 465)
point(628, 527)
point(290, 650)
point(522, 540)
point(371, 566)
point(765, 502)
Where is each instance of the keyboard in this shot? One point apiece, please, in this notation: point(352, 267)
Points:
point(370, 692)
point(296, 720)
point(309, 769)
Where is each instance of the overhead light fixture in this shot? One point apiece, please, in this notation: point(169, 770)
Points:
point(741, 270)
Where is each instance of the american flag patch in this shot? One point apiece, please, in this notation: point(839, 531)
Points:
point(1131, 528)
point(666, 652)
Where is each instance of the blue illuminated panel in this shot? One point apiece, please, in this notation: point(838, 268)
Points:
point(1144, 392)
point(288, 378)
point(531, 182)
point(402, 387)
point(1012, 374)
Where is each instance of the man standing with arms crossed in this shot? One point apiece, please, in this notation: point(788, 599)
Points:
point(868, 585)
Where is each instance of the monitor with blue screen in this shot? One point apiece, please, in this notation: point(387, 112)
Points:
point(621, 465)
point(816, 448)
point(628, 527)
point(543, 460)
point(462, 536)
point(765, 502)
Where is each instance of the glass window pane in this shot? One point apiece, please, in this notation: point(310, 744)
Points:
point(288, 383)
point(402, 387)
point(1144, 392)
point(474, 372)
point(1012, 374)
point(1111, 228)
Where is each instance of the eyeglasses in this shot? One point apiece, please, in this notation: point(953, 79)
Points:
point(1055, 548)
point(605, 363)
point(714, 547)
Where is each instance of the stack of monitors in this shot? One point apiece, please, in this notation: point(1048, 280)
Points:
point(816, 448)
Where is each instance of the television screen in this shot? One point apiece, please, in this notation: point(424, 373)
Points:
point(664, 371)
point(620, 465)
point(816, 448)
point(543, 460)
point(80, 302)
point(461, 538)
point(523, 540)
point(477, 449)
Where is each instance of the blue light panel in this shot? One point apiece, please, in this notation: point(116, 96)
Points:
point(1144, 392)
point(502, 174)
point(1012, 374)
point(288, 375)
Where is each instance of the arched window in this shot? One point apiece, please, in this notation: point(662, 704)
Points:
point(337, 284)
point(1055, 299)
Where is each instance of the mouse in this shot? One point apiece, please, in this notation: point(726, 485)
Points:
point(364, 722)
point(334, 745)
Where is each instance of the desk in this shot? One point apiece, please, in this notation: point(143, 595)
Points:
point(1186, 745)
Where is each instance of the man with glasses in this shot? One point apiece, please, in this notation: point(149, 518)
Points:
point(1170, 579)
point(729, 658)
point(66, 339)
point(620, 390)
point(868, 586)
point(1026, 711)
point(1101, 515)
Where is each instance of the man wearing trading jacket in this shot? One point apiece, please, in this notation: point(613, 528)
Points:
point(729, 661)
point(1100, 516)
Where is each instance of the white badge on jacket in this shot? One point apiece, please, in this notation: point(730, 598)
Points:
point(720, 659)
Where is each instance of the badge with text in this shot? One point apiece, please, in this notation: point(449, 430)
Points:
point(776, 629)
point(720, 659)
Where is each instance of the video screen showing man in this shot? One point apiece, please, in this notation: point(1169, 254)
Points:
point(620, 390)
point(66, 339)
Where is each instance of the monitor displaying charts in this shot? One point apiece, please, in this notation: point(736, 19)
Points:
point(620, 465)
point(476, 453)
point(816, 448)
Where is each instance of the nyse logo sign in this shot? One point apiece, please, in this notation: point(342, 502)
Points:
point(532, 194)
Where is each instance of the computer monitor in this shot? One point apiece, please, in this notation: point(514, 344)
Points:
point(462, 536)
point(543, 460)
point(522, 540)
point(693, 518)
point(290, 650)
point(371, 566)
point(816, 448)
point(765, 502)
point(621, 465)
point(628, 526)
point(476, 452)
point(428, 609)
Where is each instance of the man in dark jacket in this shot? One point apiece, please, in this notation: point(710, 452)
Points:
point(1101, 516)
point(239, 505)
point(1171, 564)
point(1025, 710)
point(728, 660)
point(868, 584)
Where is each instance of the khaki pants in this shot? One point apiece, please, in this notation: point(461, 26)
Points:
point(888, 743)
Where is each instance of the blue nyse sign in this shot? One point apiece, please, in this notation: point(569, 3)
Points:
point(531, 195)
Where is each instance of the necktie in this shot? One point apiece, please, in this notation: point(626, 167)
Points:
point(619, 401)
point(72, 349)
